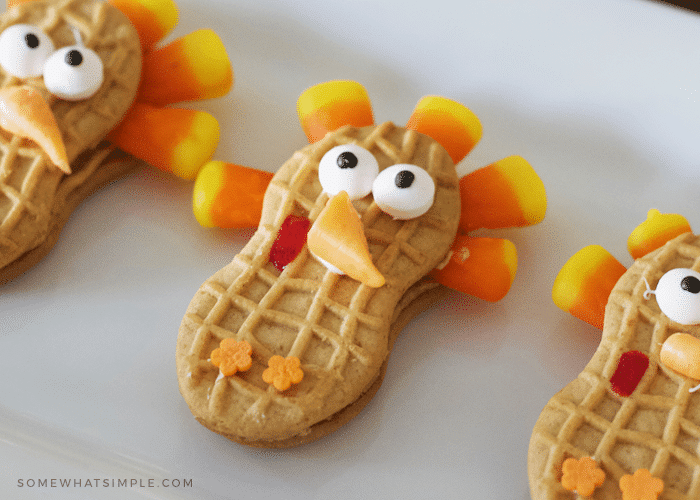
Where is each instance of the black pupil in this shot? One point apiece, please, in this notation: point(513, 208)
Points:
point(346, 159)
point(74, 58)
point(690, 284)
point(31, 40)
point(404, 179)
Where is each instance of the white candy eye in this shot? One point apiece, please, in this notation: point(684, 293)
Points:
point(73, 73)
point(404, 191)
point(24, 49)
point(350, 168)
point(678, 296)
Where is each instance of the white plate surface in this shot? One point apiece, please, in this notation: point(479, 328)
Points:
point(601, 96)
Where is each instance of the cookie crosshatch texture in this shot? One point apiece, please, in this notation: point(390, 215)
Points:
point(324, 318)
point(633, 409)
point(78, 79)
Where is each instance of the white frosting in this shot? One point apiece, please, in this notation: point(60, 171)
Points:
point(404, 199)
point(20, 59)
point(678, 296)
point(328, 265)
point(356, 179)
point(77, 81)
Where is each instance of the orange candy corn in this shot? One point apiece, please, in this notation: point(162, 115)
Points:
point(328, 106)
point(175, 140)
point(482, 267)
point(448, 122)
point(228, 195)
point(584, 283)
point(655, 231)
point(507, 193)
point(192, 67)
point(153, 19)
point(337, 237)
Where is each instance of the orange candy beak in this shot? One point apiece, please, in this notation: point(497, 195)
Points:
point(24, 112)
point(337, 237)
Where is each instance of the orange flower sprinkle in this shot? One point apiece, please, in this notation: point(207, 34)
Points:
point(641, 486)
point(232, 356)
point(283, 372)
point(582, 476)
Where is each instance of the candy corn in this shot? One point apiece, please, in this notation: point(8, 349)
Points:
point(506, 193)
point(175, 140)
point(655, 231)
point(153, 19)
point(228, 195)
point(192, 67)
point(584, 283)
point(482, 267)
point(450, 123)
point(328, 106)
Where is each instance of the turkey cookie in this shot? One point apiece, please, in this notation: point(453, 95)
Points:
point(75, 72)
point(356, 233)
point(628, 427)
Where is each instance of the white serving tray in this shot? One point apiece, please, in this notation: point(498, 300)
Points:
point(601, 96)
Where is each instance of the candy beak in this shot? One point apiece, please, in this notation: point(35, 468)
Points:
point(337, 238)
point(25, 113)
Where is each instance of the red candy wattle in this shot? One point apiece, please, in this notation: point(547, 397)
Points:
point(629, 372)
point(291, 238)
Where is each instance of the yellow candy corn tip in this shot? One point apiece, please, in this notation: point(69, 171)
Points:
point(197, 148)
point(208, 184)
point(323, 94)
point(165, 11)
point(568, 282)
point(528, 187)
point(457, 110)
point(510, 258)
point(210, 63)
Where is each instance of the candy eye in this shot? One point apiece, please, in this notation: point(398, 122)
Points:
point(678, 296)
point(350, 168)
point(404, 191)
point(73, 73)
point(24, 49)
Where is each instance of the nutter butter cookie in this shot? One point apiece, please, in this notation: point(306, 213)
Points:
point(357, 232)
point(77, 78)
point(628, 427)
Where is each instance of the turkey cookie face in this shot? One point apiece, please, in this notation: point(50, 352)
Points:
point(75, 72)
point(336, 326)
point(76, 61)
point(385, 157)
point(291, 339)
point(633, 410)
